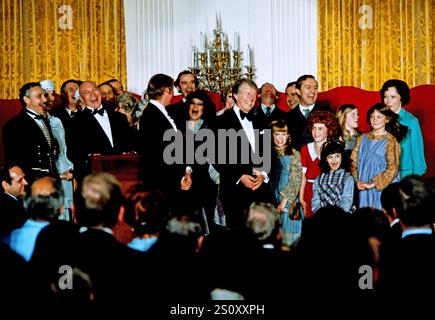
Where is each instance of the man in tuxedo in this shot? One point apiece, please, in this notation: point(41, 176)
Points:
point(307, 90)
point(243, 182)
point(154, 122)
point(268, 111)
point(28, 138)
point(185, 84)
point(13, 183)
point(97, 130)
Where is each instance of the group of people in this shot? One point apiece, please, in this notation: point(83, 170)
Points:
point(266, 175)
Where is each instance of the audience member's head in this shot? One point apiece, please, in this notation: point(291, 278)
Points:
point(186, 83)
point(199, 106)
point(263, 221)
point(145, 211)
point(227, 99)
point(291, 95)
point(390, 200)
point(416, 201)
point(13, 180)
point(307, 90)
point(45, 200)
point(101, 200)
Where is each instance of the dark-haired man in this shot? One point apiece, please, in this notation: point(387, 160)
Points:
point(185, 84)
point(28, 138)
point(307, 90)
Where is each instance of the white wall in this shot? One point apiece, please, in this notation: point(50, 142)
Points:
point(161, 33)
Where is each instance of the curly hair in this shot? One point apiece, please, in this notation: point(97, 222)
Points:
point(209, 111)
point(328, 119)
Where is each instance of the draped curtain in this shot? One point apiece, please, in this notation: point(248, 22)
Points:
point(60, 40)
point(364, 43)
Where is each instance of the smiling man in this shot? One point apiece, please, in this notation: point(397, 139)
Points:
point(307, 90)
point(28, 138)
point(97, 130)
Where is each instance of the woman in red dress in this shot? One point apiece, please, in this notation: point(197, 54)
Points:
point(323, 126)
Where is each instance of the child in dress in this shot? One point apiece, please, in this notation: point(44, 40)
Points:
point(285, 179)
point(376, 157)
point(323, 126)
point(335, 186)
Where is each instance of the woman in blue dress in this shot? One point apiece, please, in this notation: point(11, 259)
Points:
point(285, 180)
point(375, 159)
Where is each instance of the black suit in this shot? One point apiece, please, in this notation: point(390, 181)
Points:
point(68, 125)
point(298, 126)
point(13, 215)
point(25, 145)
point(90, 138)
point(264, 121)
point(176, 111)
point(156, 173)
point(235, 196)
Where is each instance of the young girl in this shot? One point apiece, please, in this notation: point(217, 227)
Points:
point(347, 116)
point(335, 186)
point(322, 125)
point(285, 179)
point(375, 159)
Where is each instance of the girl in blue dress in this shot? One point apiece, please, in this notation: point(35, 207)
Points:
point(376, 157)
point(285, 180)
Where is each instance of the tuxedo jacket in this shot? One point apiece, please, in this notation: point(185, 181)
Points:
point(176, 112)
point(89, 138)
point(156, 173)
point(235, 196)
point(24, 144)
point(298, 126)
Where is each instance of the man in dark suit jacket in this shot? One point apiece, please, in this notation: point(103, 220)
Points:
point(154, 122)
point(13, 215)
point(410, 264)
point(268, 111)
point(242, 182)
point(97, 130)
point(307, 90)
point(28, 139)
point(185, 83)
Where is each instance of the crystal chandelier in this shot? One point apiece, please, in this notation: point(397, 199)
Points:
point(216, 64)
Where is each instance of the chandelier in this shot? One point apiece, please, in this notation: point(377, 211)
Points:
point(217, 64)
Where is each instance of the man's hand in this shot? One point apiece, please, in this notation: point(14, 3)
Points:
point(259, 179)
point(186, 182)
point(248, 181)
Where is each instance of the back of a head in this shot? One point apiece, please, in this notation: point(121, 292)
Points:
point(262, 219)
point(157, 85)
point(416, 201)
point(101, 200)
point(45, 200)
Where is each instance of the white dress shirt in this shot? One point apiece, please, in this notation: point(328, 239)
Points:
point(104, 122)
point(162, 109)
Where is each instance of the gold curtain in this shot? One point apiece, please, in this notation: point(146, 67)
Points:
point(60, 40)
point(364, 43)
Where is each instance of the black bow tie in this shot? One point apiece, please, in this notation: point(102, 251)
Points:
point(100, 111)
point(244, 115)
point(40, 117)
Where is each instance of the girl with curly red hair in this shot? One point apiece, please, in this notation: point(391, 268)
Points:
point(323, 126)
